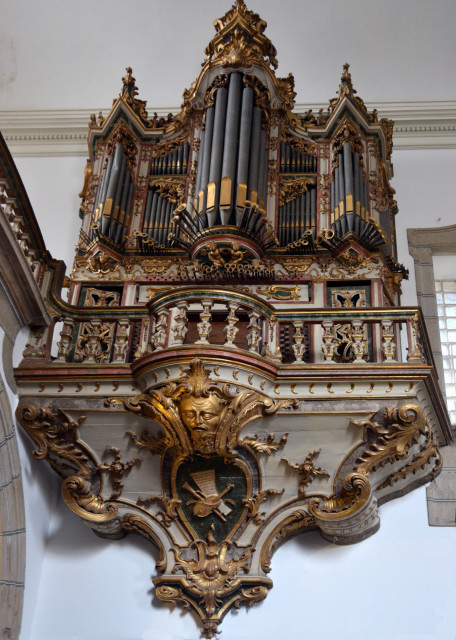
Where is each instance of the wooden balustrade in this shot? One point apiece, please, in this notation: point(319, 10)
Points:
point(315, 336)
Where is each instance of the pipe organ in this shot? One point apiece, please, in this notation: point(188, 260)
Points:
point(234, 296)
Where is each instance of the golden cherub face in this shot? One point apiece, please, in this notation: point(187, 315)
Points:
point(201, 414)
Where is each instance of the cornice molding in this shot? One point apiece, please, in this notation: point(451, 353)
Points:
point(63, 132)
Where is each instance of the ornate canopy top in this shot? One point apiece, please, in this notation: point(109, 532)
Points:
point(240, 39)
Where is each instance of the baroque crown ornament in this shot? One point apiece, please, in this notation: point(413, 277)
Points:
point(230, 370)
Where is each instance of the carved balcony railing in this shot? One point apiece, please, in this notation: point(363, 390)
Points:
point(234, 321)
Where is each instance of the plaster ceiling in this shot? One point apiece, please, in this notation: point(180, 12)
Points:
point(57, 54)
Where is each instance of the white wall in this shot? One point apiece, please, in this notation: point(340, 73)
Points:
point(398, 585)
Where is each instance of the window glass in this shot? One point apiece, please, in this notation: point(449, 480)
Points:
point(446, 298)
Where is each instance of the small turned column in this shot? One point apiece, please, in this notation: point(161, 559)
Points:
point(389, 346)
point(329, 344)
point(230, 330)
point(359, 341)
point(254, 334)
point(204, 327)
point(161, 330)
point(415, 350)
point(298, 347)
point(121, 343)
point(63, 345)
point(180, 321)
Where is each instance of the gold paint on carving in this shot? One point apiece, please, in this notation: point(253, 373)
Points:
point(371, 387)
point(134, 523)
point(117, 469)
point(308, 471)
point(171, 189)
point(124, 136)
point(276, 389)
point(403, 426)
point(311, 386)
point(410, 387)
point(79, 497)
point(235, 374)
point(293, 389)
point(199, 414)
point(253, 504)
point(277, 292)
point(239, 40)
point(329, 387)
point(291, 525)
point(420, 460)
point(267, 446)
point(55, 435)
point(292, 188)
point(168, 511)
point(211, 574)
point(390, 387)
point(352, 386)
point(42, 387)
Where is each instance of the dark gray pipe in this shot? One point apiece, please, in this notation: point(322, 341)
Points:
point(208, 136)
point(217, 152)
point(262, 168)
point(313, 206)
point(230, 144)
point(244, 140)
point(254, 152)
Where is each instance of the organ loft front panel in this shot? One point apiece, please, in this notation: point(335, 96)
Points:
point(233, 366)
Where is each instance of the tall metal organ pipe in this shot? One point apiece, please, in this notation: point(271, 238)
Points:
point(213, 188)
point(232, 163)
point(349, 194)
point(244, 147)
point(230, 147)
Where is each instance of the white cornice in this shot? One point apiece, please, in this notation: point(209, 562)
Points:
point(63, 132)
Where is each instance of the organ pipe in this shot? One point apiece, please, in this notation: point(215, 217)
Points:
point(233, 158)
point(349, 194)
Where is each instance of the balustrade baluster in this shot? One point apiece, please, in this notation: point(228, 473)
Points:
point(63, 345)
point(161, 330)
point(359, 341)
point(180, 323)
point(254, 334)
point(204, 327)
point(121, 343)
point(230, 330)
point(329, 344)
point(298, 347)
point(415, 350)
point(389, 346)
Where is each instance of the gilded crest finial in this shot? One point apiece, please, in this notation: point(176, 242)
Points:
point(346, 84)
point(239, 40)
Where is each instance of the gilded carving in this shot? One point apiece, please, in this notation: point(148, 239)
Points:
point(239, 40)
point(307, 471)
point(123, 135)
point(170, 189)
point(269, 445)
point(168, 511)
point(277, 292)
point(292, 188)
point(117, 469)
